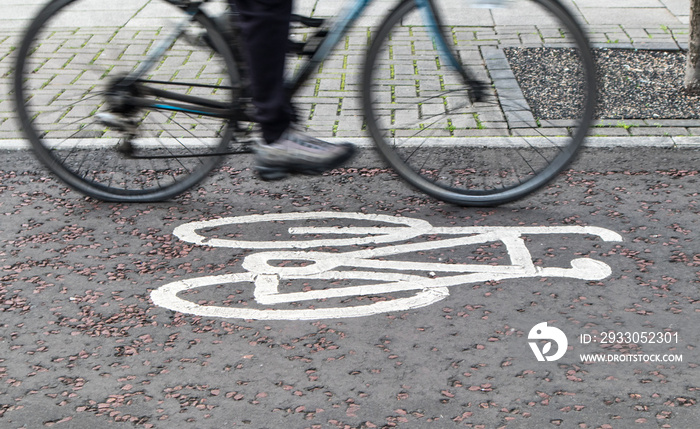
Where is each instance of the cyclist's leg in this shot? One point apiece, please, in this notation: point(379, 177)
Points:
point(265, 29)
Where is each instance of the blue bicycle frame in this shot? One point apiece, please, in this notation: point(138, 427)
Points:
point(347, 17)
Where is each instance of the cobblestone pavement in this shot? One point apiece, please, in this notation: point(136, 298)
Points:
point(331, 104)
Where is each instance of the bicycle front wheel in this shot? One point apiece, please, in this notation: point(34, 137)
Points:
point(538, 85)
point(111, 136)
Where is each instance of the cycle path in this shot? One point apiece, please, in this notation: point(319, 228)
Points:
point(415, 313)
point(335, 110)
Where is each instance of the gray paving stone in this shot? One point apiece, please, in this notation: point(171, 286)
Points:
point(672, 122)
point(9, 125)
point(689, 141)
point(658, 131)
point(624, 141)
point(609, 132)
point(620, 122)
point(485, 132)
point(660, 46)
point(637, 16)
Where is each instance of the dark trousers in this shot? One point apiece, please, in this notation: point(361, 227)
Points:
point(265, 30)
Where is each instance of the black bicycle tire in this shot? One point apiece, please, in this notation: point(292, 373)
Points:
point(497, 197)
point(72, 179)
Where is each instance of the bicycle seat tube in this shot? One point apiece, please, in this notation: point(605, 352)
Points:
point(337, 29)
point(191, 8)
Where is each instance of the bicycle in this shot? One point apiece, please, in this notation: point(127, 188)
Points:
point(135, 110)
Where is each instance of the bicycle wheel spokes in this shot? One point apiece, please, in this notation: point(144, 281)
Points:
point(535, 111)
point(89, 131)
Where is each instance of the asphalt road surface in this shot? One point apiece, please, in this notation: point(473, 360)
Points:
point(350, 300)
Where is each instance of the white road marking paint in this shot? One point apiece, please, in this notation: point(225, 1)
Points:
point(411, 228)
point(266, 277)
point(166, 296)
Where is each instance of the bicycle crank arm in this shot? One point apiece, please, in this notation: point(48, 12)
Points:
point(117, 122)
point(245, 149)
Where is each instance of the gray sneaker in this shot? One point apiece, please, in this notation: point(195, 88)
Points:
point(295, 152)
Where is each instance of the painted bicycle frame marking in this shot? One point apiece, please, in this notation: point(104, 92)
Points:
point(267, 277)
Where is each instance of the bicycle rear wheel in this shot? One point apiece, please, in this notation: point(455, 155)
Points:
point(79, 111)
point(537, 106)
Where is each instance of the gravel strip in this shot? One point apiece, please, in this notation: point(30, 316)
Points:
point(633, 84)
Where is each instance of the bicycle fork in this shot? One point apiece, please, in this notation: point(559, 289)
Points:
point(432, 19)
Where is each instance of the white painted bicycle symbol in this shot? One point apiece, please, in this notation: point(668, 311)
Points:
point(373, 270)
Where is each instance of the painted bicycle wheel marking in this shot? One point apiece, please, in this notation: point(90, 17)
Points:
point(266, 277)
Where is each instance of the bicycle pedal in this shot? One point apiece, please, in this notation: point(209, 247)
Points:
point(307, 48)
point(307, 21)
point(117, 122)
point(196, 37)
point(296, 47)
